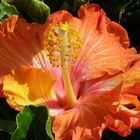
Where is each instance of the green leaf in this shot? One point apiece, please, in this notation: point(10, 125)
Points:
point(7, 126)
point(48, 128)
point(31, 124)
point(34, 10)
point(24, 120)
point(6, 9)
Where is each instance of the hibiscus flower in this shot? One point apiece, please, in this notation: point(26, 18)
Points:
point(80, 67)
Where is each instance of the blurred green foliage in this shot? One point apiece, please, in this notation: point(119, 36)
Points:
point(6, 9)
point(31, 124)
point(33, 10)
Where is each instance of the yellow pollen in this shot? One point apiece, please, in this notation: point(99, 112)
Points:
point(54, 42)
point(64, 27)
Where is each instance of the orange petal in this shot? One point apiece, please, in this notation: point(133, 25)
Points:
point(131, 85)
point(132, 76)
point(129, 100)
point(59, 16)
point(21, 44)
point(105, 45)
point(92, 114)
point(27, 86)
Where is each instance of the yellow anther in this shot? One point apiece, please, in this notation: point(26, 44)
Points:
point(58, 34)
point(64, 26)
